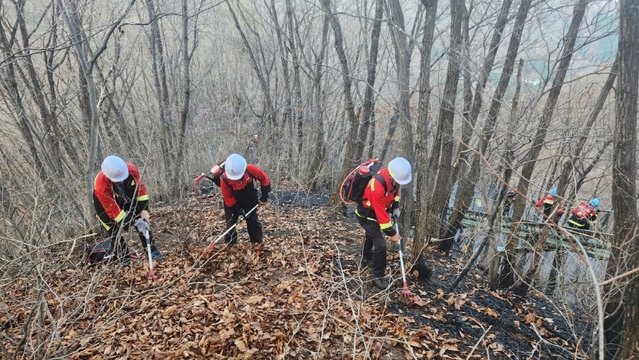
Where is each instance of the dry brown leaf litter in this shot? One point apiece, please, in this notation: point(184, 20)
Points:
point(291, 297)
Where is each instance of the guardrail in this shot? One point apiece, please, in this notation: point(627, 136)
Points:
point(595, 243)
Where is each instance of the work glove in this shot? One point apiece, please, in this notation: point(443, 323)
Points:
point(141, 225)
point(396, 213)
point(144, 215)
point(265, 190)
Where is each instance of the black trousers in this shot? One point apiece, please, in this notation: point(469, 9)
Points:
point(374, 246)
point(577, 223)
point(253, 225)
point(114, 229)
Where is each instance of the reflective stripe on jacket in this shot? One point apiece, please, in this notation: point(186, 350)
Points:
point(112, 202)
point(379, 199)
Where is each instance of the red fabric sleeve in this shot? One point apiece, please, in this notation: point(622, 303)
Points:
point(541, 201)
point(103, 190)
point(258, 175)
point(227, 193)
point(140, 187)
point(377, 200)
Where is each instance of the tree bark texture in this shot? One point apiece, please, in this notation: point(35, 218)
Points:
point(442, 153)
point(421, 152)
point(350, 160)
point(538, 140)
point(466, 187)
point(371, 73)
point(624, 181)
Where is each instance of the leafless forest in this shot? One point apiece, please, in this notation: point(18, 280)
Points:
point(480, 96)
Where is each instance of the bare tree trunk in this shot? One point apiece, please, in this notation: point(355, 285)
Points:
point(467, 126)
point(87, 66)
point(622, 312)
point(466, 187)
point(422, 129)
point(569, 164)
point(540, 136)
point(390, 134)
point(369, 94)
point(471, 118)
point(350, 159)
point(402, 56)
point(186, 100)
point(319, 144)
point(298, 115)
point(442, 168)
point(288, 111)
point(159, 77)
point(506, 278)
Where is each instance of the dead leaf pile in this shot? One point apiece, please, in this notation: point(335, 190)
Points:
point(299, 295)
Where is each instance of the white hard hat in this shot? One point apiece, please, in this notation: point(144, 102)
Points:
point(399, 170)
point(235, 167)
point(115, 168)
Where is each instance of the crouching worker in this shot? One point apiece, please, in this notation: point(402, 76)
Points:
point(381, 195)
point(584, 214)
point(240, 196)
point(547, 202)
point(120, 197)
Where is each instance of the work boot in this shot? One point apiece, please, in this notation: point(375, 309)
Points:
point(381, 283)
point(156, 254)
point(365, 262)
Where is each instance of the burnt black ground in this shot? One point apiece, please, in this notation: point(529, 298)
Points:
point(549, 336)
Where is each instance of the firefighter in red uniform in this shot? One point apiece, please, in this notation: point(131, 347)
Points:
point(583, 214)
point(120, 197)
point(548, 201)
point(381, 195)
point(240, 196)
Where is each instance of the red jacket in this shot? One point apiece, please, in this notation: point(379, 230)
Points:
point(113, 203)
point(547, 202)
point(379, 199)
point(243, 190)
point(585, 211)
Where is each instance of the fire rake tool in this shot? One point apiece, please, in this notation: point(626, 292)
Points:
point(143, 227)
point(406, 294)
point(212, 245)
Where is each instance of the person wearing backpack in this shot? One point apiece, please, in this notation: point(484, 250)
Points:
point(381, 196)
point(120, 197)
point(240, 196)
point(547, 202)
point(583, 214)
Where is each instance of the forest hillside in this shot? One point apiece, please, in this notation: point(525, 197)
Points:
point(511, 114)
point(299, 295)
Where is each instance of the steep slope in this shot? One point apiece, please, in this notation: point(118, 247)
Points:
point(300, 295)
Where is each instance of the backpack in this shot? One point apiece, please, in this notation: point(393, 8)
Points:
point(226, 181)
point(582, 211)
point(216, 172)
point(352, 189)
point(98, 253)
